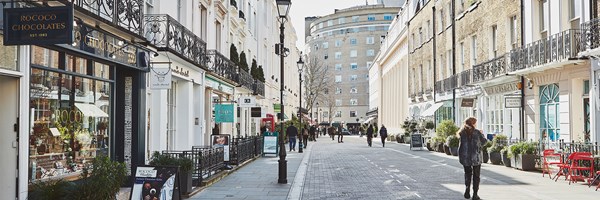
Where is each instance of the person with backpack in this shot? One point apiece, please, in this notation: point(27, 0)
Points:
point(383, 134)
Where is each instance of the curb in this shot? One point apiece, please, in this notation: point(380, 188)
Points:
point(217, 178)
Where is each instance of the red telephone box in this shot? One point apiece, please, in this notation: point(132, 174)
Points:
point(269, 122)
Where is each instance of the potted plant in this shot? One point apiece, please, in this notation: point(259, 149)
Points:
point(429, 144)
point(524, 155)
point(484, 151)
point(506, 156)
point(185, 169)
point(399, 138)
point(439, 144)
point(498, 144)
point(445, 129)
point(452, 142)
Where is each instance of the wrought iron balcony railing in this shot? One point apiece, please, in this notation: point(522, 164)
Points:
point(490, 69)
point(244, 79)
point(167, 34)
point(466, 78)
point(233, 3)
point(221, 66)
point(126, 14)
point(242, 15)
point(259, 88)
point(450, 83)
point(558, 47)
point(439, 86)
point(591, 34)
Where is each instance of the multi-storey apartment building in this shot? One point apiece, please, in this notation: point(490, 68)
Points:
point(347, 42)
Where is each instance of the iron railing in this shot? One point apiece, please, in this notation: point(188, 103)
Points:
point(558, 47)
point(259, 88)
point(241, 150)
point(167, 34)
point(438, 86)
point(126, 14)
point(591, 34)
point(233, 3)
point(466, 78)
point(242, 15)
point(491, 69)
point(209, 162)
point(221, 66)
point(244, 79)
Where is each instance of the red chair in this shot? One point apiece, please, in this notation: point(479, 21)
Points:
point(549, 153)
point(565, 166)
point(577, 167)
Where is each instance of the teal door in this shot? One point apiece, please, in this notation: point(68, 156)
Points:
point(549, 113)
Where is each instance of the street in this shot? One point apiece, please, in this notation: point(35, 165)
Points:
point(352, 170)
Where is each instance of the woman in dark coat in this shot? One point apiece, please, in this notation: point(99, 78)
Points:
point(469, 155)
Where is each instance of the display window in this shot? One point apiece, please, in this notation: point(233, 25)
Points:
point(70, 106)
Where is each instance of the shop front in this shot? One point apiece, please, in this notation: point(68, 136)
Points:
point(85, 100)
point(221, 93)
point(501, 110)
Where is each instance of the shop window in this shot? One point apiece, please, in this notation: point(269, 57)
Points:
point(172, 115)
point(44, 57)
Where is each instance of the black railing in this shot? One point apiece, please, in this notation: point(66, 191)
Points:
point(221, 66)
point(558, 47)
point(491, 69)
point(241, 150)
point(439, 86)
point(259, 88)
point(233, 3)
point(127, 14)
point(244, 79)
point(242, 15)
point(466, 78)
point(167, 34)
point(591, 34)
point(209, 162)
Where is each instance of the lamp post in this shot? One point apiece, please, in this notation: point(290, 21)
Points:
point(300, 67)
point(283, 7)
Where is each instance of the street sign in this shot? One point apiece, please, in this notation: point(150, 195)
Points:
point(247, 102)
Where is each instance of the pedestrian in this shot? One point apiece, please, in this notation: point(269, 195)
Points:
point(383, 134)
point(469, 155)
point(370, 135)
point(292, 132)
point(340, 134)
point(215, 130)
point(313, 131)
point(361, 130)
point(331, 132)
point(263, 129)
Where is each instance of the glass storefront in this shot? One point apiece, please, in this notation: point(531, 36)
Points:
point(501, 120)
point(70, 105)
point(549, 113)
point(445, 112)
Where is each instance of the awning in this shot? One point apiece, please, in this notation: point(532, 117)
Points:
point(431, 110)
point(90, 110)
point(368, 120)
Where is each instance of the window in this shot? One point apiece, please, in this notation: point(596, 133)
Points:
point(203, 22)
point(338, 43)
point(442, 71)
point(371, 28)
point(371, 18)
point(353, 54)
point(493, 42)
point(325, 45)
point(338, 90)
point(370, 40)
point(352, 113)
point(338, 78)
point(355, 18)
point(473, 50)
point(316, 46)
point(325, 56)
point(353, 90)
point(449, 64)
point(442, 27)
point(549, 112)
point(353, 102)
point(338, 55)
point(371, 52)
point(329, 33)
point(338, 102)
point(367, 76)
point(575, 8)
point(353, 66)
point(338, 113)
point(462, 57)
point(352, 41)
point(321, 25)
point(353, 77)
point(341, 20)
point(544, 15)
point(325, 114)
point(462, 5)
point(513, 31)
point(338, 67)
point(428, 29)
point(369, 64)
point(421, 41)
point(388, 17)
point(329, 22)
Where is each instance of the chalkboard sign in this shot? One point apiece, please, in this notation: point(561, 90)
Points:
point(416, 141)
point(156, 182)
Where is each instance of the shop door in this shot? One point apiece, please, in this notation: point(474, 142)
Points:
point(9, 104)
point(549, 113)
point(586, 112)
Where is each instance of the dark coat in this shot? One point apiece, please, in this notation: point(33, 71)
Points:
point(469, 148)
point(370, 131)
point(383, 132)
point(292, 131)
point(313, 130)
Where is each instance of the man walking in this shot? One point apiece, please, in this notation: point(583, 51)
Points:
point(340, 134)
point(383, 134)
point(292, 132)
point(370, 135)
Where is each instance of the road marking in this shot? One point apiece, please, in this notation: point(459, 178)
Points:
point(418, 195)
point(398, 181)
point(407, 187)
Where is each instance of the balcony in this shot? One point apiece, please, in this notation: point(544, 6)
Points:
point(465, 78)
point(126, 14)
point(448, 84)
point(556, 49)
point(167, 34)
point(221, 66)
point(491, 69)
point(259, 88)
point(244, 79)
point(591, 35)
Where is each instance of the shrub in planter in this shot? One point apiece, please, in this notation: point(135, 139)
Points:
point(452, 142)
point(399, 138)
point(185, 169)
point(484, 151)
point(506, 156)
point(523, 155)
point(439, 144)
point(498, 143)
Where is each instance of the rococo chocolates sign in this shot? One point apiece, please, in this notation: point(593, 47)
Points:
point(38, 26)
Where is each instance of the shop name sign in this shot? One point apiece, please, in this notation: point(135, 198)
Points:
point(38, 26)
point(512, 102)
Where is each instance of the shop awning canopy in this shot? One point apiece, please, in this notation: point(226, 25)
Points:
point(368, 120)
point(431, 110)
point(90, 110)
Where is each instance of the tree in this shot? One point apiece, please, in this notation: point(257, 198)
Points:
point(254, 70)
point(317, 80)
point(233, 55)
point(243, 64)
point(261, 74)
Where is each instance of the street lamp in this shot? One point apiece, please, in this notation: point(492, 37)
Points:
point(283, 7)
point(300, 67)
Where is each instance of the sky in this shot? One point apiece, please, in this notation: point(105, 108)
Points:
point(304, 8)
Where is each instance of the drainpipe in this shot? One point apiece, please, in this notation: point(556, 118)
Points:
point(434, 58)
point(453, 59)
point(522, 77)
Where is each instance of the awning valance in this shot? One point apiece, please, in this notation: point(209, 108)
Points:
point(431, 110)
point(368, 120)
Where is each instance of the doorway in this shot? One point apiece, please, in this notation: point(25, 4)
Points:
point(9, 86)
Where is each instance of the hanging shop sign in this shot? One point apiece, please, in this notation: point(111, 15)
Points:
point(247, 102)
point(467, 103)
point(224, 113)
point(155, 182)
point(38, 26)
point(256, 112)
point(160, 78)
point(512, 102)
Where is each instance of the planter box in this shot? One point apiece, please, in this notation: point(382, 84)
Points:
point(429, 148)
point(447, 150)
point(399, 139)
point(454, 151)
point(495, 158)
point(506, 160)
point(440, 148)
point(486, 156)
point(525, 162)
point(185, 181)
